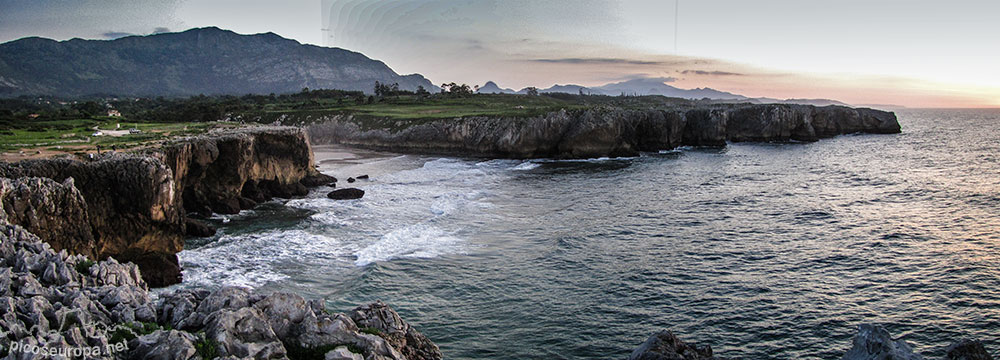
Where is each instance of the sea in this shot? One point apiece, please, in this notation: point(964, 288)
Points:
point(761, 250)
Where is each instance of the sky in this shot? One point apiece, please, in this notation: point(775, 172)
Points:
point(912, 53)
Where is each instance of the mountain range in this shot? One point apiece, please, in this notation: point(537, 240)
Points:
point(214, 61)
point(197, 61)
point(654, 86)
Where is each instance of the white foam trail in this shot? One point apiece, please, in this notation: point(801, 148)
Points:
point(249, 259)
point(527, 165)
point(417, 241)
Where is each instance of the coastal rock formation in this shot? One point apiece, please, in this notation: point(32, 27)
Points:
point(133, 206)
point(605, 132)
point(128, 202)
point(967, 350)
point(346, 194)
point(410, 342)
point(230, 171)
point(70, 307)
point(666, 346)
point(874, 342)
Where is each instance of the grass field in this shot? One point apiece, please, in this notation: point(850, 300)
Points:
point(77, 136)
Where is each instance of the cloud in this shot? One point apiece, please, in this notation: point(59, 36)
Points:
point(116, 34)
point(711, 73)
point(604, 61)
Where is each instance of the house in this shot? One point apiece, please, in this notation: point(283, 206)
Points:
point(134, 131)
point(97, 133)
point(33, 116)
point(114, 112)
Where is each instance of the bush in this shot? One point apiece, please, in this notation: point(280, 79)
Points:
point(83, 267)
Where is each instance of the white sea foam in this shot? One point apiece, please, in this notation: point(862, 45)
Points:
point(251, 259)
point(416, 241)
point(527, 165)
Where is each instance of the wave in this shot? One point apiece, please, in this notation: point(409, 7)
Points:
point(416, 241)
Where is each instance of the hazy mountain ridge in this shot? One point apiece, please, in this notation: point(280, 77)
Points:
point(197, 61)
point(656, 86)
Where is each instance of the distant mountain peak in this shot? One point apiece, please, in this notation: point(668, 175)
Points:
point(491, 87)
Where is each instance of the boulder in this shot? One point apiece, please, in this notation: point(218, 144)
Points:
point(873, 342)
point(363, 177)
point(666, 346)
point(404, 338)
point(163, 345)
point(317, 179)
point(350, 180)
point(967, 350)
point(346, 194)
point(198, 228)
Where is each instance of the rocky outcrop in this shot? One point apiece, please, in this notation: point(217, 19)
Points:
point(666, 346)
point(410, 342)
point(967, 350)
point(133, 206)
point(604, 132)
point(874, 342)
point(227, 172)
point(73, 308)
point(346, 194)
point(128, 202)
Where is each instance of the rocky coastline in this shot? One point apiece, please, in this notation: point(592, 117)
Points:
point(603, 132)
point(56, 305)
point(58, 214)
point(137, 207)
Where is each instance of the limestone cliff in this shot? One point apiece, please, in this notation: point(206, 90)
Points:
point(605, 132)
point(227, 172)
point(133, 206)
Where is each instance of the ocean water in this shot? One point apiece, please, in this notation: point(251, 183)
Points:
point(759, 250)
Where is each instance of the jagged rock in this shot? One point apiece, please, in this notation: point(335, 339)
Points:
point(666, 346)
point(346, 194)
point(55, 212)
point(318, 179)
point(177, 307)
point(967, 350)
point(198, 228)
point(244, 333)
point(130, 204)
point(410, 342)
point(163, 345)
point(350, 180)
point(874, 342)
point(363, 177)
point(342, 353)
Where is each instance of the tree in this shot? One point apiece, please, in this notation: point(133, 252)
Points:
point(421, 91)
point(531, 91)
point(453, 89)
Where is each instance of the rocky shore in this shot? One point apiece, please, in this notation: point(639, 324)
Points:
point(135, 207)
point(603, 132)
point(56, 305)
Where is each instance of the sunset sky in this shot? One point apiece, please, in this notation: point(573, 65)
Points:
point(912, 53)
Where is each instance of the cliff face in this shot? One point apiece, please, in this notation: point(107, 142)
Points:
point(228, 172)
point(133, 206)
point(609, 132)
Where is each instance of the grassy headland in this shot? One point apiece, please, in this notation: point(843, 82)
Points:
point(31, 126)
